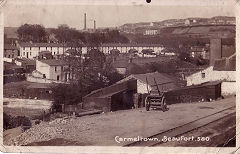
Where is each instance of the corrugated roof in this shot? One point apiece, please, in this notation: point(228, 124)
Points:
point(54, 62)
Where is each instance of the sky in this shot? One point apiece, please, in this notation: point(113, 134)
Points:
point(108, 14)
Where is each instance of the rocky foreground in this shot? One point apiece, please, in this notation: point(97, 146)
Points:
point(101, 129)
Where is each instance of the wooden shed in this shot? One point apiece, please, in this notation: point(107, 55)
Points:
point(206, 91)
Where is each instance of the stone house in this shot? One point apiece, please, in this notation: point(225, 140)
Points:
point(52, 69)
point(223, 70)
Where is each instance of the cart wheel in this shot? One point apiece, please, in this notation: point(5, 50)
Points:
point(164, 105)
point(147, 104)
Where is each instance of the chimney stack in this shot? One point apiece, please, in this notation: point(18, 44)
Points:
point(94, 25)
point(85, 21)
point(215, 50)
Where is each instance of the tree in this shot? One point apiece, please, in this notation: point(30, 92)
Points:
point(66, 94)
point(114, 53)
point(132, 51)
point(147, 51)
point(34, 33)
point(89, 73)
point(184, 56)
point(65, 34)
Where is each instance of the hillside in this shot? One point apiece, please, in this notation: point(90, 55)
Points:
point(207, 30)
point(193, 35)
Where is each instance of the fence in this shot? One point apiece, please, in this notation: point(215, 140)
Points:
point(194, 93)
point(30, 78)
point(69, 108)
point(228, 88)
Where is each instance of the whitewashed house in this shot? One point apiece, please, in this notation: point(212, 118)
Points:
point(223, 70)
point(51, 69)
point(32, 50)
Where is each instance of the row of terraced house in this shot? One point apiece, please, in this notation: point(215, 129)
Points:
point(32, 50)
point(48, 67)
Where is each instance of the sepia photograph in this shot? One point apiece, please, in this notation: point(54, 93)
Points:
point(119, 74)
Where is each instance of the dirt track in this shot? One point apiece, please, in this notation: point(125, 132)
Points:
point(102, 129)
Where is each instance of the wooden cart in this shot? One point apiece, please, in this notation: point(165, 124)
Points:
point(155, 101)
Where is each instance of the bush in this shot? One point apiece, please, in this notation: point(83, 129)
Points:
point(12, 122)
point(66, 94)
point(184, 56)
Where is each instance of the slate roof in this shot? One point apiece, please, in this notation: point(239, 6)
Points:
point(26, 61)
point(41, 44)
point(26, 44)
point(130, 44)
point(160, 78)
point(54, 62)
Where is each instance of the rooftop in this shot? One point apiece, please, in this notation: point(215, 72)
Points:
point(26, 44)
point(10, 46)
point(161, 78)
point(26, 61)
point(23, 44)
point(54, 62)
point(8, 65)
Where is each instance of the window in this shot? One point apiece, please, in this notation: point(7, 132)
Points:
point(23, 48)
point(24, 53)
point(39, 48)
point(54, 53)
point(30, 48)
point(203, 75)
point(51, 48)
point(58, 77)
point(55, 68)
point(62, 68)
point(46, 48)
point(30, 53)
point(44, 76)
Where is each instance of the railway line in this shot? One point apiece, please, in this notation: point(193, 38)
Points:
point(185, 128)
